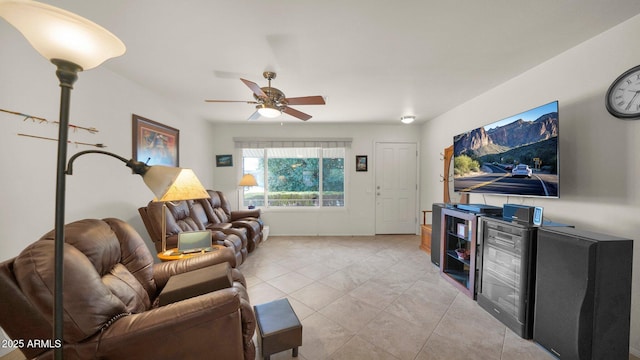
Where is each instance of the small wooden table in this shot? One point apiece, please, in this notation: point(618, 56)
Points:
point(425, 239)
point(425, 231)
point(172, 254)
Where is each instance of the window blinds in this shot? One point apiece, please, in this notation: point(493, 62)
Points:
point(267, 143)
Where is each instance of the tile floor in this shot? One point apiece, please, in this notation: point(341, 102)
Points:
point(376, 297)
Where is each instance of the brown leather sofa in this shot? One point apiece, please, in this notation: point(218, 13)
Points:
point(180, 217)
point(111, 286)
point(239, 230)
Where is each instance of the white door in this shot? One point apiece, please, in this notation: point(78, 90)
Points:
point(396, 188)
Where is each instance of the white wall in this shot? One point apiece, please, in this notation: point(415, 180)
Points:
point(599, 168)
point(100, 186)
point(358, 217)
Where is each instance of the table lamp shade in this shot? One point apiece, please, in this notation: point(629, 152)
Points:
point(248, 180)
point(174, 184)
point(59, 34)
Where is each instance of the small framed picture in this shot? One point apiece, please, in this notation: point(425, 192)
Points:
point(361, 163)
point(224, 160)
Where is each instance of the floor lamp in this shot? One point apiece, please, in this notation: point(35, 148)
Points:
point(73, 44)
point(159, 179)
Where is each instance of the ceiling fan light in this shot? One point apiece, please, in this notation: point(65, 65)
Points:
point(407, 119)
point(268, 111)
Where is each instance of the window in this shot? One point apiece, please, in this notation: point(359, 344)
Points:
point(309, 176)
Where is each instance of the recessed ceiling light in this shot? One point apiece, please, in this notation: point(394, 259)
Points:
point(407, 119)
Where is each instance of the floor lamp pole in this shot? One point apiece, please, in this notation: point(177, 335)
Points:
point(164, 227)
point(67, 73)
point(72, 43)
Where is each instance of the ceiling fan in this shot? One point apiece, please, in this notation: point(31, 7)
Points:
point(271, 102)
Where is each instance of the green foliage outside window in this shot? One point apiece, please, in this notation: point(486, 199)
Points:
point(295, 181)
point(287, 174)
point(333, 175)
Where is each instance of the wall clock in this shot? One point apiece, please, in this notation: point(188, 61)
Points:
point(623, 96)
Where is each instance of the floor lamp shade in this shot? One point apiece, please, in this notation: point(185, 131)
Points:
point(59, 34)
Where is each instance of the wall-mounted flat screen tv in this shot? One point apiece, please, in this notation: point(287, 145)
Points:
point(514, 156)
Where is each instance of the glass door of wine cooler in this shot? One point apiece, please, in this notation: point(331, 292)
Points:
point(501, 277)
point(458, 249)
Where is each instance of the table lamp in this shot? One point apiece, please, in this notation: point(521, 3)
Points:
point(186, 186)
point(247, 180)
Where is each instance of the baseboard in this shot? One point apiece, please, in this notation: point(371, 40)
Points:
point(338, 234)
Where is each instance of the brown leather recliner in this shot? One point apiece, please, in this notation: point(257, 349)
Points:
point(220, 212)
point(111, 286)
point(180, 217)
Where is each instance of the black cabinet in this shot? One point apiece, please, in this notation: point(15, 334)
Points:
point(506, 281)
point(458, 249)
point(583, 294)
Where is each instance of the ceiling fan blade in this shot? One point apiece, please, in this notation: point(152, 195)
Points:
point(254, 116)
point(306, 100)
point(231, 101)
point(255, 88)
point(295, 113)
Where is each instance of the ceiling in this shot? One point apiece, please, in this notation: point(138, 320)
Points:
point(373, 60)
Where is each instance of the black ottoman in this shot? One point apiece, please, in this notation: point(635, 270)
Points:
point(278, 328)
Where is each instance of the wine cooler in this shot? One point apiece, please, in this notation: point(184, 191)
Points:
point(507, 273)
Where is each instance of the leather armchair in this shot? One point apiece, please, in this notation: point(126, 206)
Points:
point(111, 286)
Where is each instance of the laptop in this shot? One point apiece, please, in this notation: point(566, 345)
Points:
point(194, 241)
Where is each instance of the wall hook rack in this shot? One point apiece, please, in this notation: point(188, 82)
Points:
point(43, 120)
point(69, 141)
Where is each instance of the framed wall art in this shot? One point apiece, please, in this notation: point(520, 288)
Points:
point(224, 160)
point(361, 163)
point(155, 143)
